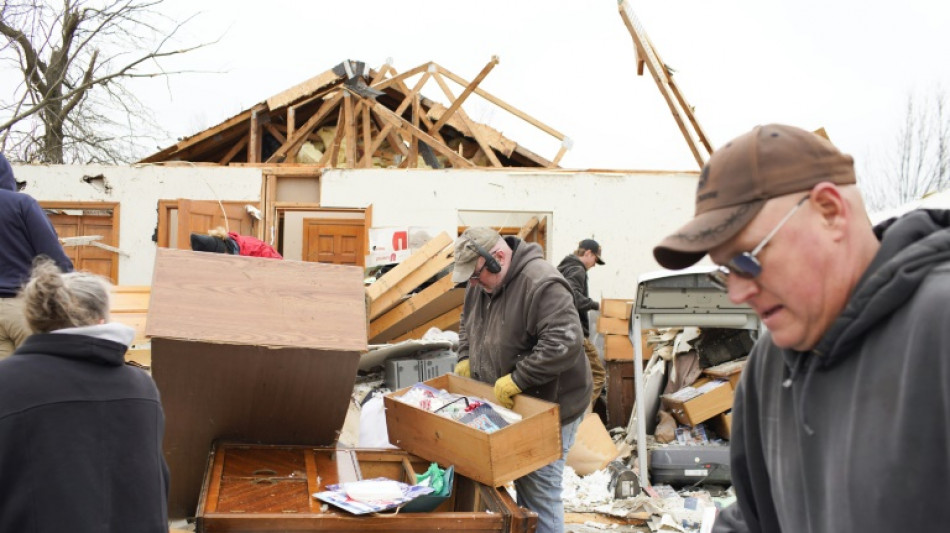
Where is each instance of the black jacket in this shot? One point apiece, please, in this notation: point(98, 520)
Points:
point(25, 232)
point(574, 271)
point(528, 327)
point(858, 437)
point(80, 439)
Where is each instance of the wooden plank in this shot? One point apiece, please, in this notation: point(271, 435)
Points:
point(350, 129)
point(391, 279)
point(479, 138)
point(433, 301)
point(507, 107)
point(294, 141)
point(238, 146)
point(448, 321)
point(465, 94)
point(456, 160)
point(410, 281)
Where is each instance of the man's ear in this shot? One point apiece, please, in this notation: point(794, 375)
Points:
point(830, 204)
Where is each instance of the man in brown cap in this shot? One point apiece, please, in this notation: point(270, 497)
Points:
point(840, 418)
point(520, 332)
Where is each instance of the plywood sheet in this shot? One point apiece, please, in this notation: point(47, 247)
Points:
point(231, 299)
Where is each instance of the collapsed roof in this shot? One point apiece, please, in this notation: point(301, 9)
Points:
point(357, 118)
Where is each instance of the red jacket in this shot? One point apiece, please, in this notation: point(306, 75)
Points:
point(253, 247)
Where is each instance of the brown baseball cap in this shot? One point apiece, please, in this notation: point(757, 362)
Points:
point(769, 161)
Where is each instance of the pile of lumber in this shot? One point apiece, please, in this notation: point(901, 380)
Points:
point(400, 308)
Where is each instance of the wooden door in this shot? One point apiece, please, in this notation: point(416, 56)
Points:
point(90, 258)
point(337, 241)
point(196, 216)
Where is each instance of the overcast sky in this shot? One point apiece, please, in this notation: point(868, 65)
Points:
point(845, 65)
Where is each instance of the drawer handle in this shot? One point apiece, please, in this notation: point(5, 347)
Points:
point(264, 472)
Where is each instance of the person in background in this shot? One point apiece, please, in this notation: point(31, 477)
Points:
point(840, 420)
point(520, 332)
point(25, 233)
point(574, 268)
point(80, 431)
point(221, 241)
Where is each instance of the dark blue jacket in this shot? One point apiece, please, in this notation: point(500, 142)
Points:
point(80, 438)
point(25, 232)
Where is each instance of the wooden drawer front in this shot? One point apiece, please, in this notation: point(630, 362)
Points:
point(263, 495)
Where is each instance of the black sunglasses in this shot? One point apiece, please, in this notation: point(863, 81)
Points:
point(746, 265)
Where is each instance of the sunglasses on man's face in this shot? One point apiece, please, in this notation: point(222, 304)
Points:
point(746, 264)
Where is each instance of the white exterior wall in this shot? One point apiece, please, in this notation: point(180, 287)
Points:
point(628, 213)
point(137, 190)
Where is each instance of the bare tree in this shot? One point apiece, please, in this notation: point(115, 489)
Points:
point(919, 163)
point(72, 102)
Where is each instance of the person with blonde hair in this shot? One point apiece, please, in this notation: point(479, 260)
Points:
point(222, 241)
point(80, 431)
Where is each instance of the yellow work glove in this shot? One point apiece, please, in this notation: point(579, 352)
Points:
point(505, 391)
point(463, 369)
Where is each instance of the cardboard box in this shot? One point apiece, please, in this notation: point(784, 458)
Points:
point(613, 326)
point(259, 488)
point(698, 403)
point(490, 458)
point(619, 348)
point(250, 349)
point(616, 308)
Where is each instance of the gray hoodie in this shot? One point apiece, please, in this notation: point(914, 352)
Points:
point(855, 434)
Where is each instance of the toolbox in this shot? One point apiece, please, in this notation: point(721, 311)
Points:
point(679, 465)
point(269, 488)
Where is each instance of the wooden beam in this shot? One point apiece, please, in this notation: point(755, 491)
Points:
point(448, 321)
point(413, 158)
point(433, 301)
point(382, 84)
point(209, 133)
point(479, 138)
point(392, 281)
point(387, 129)
point(294, 141)
point(507, 107)
point(238, 146)
point(291, 121)
point(254, 140)
point(367, 161)
point(465, 94)
point(350, 131)
point(528, 227)
point(273, 131)
point(456, 160)
point(560, 154)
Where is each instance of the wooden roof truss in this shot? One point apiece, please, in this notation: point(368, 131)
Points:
point(347, 118)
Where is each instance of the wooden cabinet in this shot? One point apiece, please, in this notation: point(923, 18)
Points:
point(261, 488)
